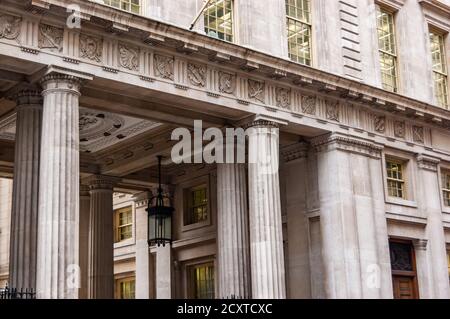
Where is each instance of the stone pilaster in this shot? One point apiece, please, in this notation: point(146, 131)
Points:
point(101, 238)
point(24, 215)
point(233, 232)
point(84, 240)
point(352, 218)
point(57, 260)
point(164, 272)
point(430, 205)
point(266, 238)
point(144, 262)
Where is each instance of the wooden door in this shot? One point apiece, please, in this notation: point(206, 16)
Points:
point(404, 287)
point(404, 272)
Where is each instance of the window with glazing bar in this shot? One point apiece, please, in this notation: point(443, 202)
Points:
point(124, 224)
point(299, 31)
point(203, 281)
point(133, 6)
point(395, 179)
point(218, 19)
point(125, 288)
point(446, 187)
point(439, 68)
point(387, 49)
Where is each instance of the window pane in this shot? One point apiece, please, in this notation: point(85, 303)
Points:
point(127, 5)
point(198, 205)
point(446, 187)
point(218, 20)
point(299, 30)
point(124, 224)
point(395, 181)
point(439, 69)
point(204, 282)
point(126, 289)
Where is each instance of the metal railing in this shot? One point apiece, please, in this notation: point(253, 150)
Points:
point(14, 293)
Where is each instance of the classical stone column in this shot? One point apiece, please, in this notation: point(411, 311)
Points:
point(57, 260)
point(24, 215)
point(430, 205)
point(266, 238)
point(101, 238)
point(144, 262)
point(233, 232)
point(353, 223)
point(85, 202)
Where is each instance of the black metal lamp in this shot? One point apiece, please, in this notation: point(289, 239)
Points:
point(159, 216)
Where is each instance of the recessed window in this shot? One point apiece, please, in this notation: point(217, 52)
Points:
point(448, 263)
point(125, 288)
point(197, 205)
point(439, 68)
point(298, 14)
point(218, 19)
point(202, 281)
point(446, 187)
point(387, 49)
point(395, 179)
point(123, 224)
point(127, 5)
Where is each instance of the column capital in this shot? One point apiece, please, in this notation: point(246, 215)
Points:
point(346, 143)
point(29, 97)
point(84, 190)
point(427, 162)
point(262, 121)
point(63, 79)
point(101, 182)
point(420, 244)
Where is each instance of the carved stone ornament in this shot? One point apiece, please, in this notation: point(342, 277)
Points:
point(309, 105)
point(164, 66)
point(50, 37)
point(197, 74)
point(380, 124)
point(399, 129)
point(256, 90)
point(332, 110)
point(227, 82)
point(283, 97)
point(9, 27)
point(418, 134)
point(90, 48)
point(129, 57)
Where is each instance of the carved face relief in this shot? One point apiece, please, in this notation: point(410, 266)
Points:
point(227, 82)
point(418, 134)
point(9, 27)
point(256, 90)
point(309, 105)
point(129, 57)
point(399, 129)
point(283, 97)
point(90, 48)
point(197, 74)
point(50, 37)
point(164, 66)
point(380, 124)
point(332, 109)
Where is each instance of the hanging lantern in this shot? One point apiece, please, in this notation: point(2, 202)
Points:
point(159, 216)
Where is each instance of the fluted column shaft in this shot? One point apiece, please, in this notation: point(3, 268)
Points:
point(24, 215)
point(233, 232)
point(101, 239)
point(266, 238)
point(85, 206)
point(57, 261)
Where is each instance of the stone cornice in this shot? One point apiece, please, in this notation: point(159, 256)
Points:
point(238, 56)
point(427, 162)
point(141, 199)
point(101, 182)
point(295, 151)
point(420, 244)
point(343, 143)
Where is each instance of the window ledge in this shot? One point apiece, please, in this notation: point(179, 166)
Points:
point(203, 224)
point(120, 244)
point(401, 202)
point(446, 210)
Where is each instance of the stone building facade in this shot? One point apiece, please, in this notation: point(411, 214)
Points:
point(348, 98)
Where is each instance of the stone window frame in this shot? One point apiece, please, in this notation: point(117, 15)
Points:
point(202, 180)
point(186, 276)
point(409, 177)
point(129, 241)
point(443, 168)
point(125, 277)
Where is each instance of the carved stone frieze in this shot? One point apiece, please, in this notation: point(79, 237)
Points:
point(164, 66)
point(227, 82)
point(256, 90)
point(418, 134)
point(129, 57)
point(309, 105)
point(91, 48)
point(9, 27)
point(197, 74)
point(399, 129)
point(332, 110)
point(379, 124)
point(50, 37)
point(283, 97)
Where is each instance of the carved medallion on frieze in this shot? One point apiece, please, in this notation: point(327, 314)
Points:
point(283, 97)
point(197, 74)
point(164, 66)
point(227, 82)
point(129, 57)
point(379, 123)
point(50, 37)
point(332, 110)
point(418, 134)
point(309, 105)
point(91, 48)
point(9, 27)
point(399, 129)
point(256, 90)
